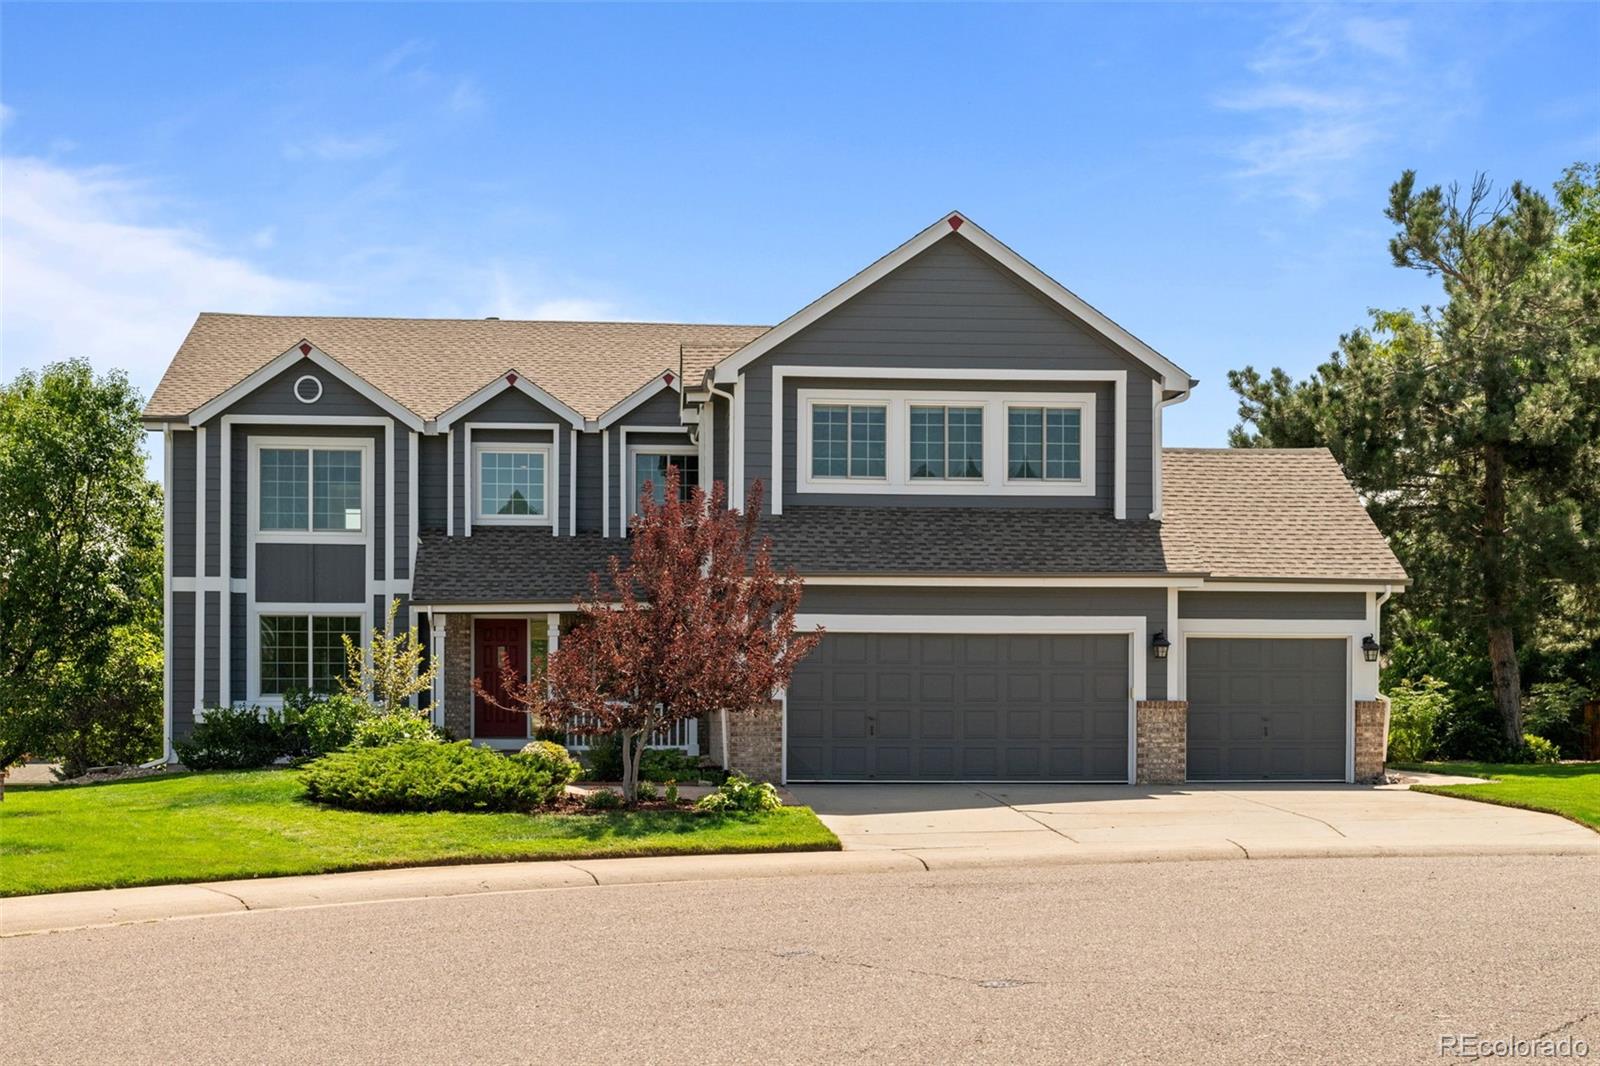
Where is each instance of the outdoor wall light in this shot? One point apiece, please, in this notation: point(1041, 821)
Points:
point(1370, 648)
point(1159, 644)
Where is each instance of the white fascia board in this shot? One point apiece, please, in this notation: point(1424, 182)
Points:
point(951, 225)
point(495, 608)
point(664, 380)
point(1003, 581)
point(511, 379)
point(305, 351)
point(1306, 585)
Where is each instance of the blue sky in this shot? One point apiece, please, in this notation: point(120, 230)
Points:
point(1212, 177)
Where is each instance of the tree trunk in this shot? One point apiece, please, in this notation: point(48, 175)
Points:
point(632, 750)
point(1506, 677)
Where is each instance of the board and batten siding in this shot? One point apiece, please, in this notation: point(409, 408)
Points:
point(1150, 603)
point(951, 307)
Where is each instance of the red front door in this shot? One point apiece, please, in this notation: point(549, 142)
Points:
point(492, 638)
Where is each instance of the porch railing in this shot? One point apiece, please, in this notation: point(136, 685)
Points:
point(684, 734)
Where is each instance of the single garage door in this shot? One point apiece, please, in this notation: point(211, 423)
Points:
point(1266, 709)
point(926, 707)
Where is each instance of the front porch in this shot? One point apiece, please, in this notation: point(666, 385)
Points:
point(467, 644)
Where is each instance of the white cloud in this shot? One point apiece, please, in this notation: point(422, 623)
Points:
point(332, 148)
point(508, 298)
point(1327, 91)
point(7, 113)
point(86, 274)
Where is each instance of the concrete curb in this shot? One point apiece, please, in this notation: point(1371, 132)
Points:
point(61, 912)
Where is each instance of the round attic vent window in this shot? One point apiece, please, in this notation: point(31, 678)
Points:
point(308, 389)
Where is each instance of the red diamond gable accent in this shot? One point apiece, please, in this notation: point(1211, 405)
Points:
point(667, 378)
point(955, 222)
point(511, 379)
point(305, 349)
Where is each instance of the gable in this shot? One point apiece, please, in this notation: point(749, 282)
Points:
point(276, 396)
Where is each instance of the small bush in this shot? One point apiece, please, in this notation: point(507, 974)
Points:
point(647, 791)
point(553, 759)
point(604, 758)
point(427, 777)
point(740, 794)
point(668, 764)
point(1414, 710)
point(604, 800)
point(672, 793)
point(382, 730)
point(1539, 750)
point(317, 725)
point(1554, 710)
point(232, 738)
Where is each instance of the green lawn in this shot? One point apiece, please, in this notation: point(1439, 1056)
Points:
point(1568, 789)
point(217, 826)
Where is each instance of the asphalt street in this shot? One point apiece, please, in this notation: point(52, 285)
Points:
point(1310, 960)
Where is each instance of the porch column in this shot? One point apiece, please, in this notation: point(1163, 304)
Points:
point(436, 631)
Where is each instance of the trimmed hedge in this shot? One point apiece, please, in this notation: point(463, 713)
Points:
point(433, 777)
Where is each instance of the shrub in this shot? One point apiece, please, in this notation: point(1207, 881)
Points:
point(427, 777)
point(646, 791)
point(316, 725)
point(740, 794)
point(604, 800)
point(382, 730)
point(1554, 710)
point(1414, 710)
point(672, 793)
point(1539, 750)
point(552, 758)
point(234, 739)
point(604, 758)
point(668, 764)
point(1470, 727)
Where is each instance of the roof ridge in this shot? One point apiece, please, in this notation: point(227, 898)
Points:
point(526, 321)
point(1245, 451)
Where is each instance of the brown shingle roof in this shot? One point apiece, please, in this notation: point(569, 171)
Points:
point(430, 364)
point(698, 359)
point(1268, 513)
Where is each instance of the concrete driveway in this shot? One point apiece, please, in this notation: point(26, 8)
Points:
point(1127, 822)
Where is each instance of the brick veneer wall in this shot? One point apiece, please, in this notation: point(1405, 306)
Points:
point(1163, 742)
point(755, 742)
point(458, 676)
point(1372, 740)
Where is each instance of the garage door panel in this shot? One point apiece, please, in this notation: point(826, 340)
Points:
point(1266, 708)
point(948, 707)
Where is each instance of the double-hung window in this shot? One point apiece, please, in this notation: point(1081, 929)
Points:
point(512, 483)
point(310, 489)
point(1044, 443)
point(946, 442)
point(849, 440)
point(650, 468)
point(305, 653)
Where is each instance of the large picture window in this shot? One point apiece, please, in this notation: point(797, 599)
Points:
point(849, 440)
point(946, 442)
point(511, 484)
point(310, 490)
point(1044, 443)
point(304, 652)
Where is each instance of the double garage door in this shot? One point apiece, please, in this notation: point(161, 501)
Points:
point(929, 707)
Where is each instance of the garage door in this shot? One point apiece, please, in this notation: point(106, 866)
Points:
point(926, 707)
point(1266, 709)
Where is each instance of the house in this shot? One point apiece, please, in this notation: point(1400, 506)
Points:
point(962, 458)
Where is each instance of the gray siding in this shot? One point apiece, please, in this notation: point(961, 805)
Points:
point(213, 638)
point(182, 491)
point(431, 482)
point(1282, 605)
point(276, 397)
point(309, 573)
point(952, 307)
point(864, 599)
point(722, 444)
point(589, 487)
point(238, 628)
point(402, 502)
point(182, 665)
point(214, 501)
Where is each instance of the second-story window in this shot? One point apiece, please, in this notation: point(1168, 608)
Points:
point(311, 489)
point(1044, 443)
point(848, 440)
point(511, 484)
point(650, 468)
point(946, 442)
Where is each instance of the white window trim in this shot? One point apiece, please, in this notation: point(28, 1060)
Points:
point(803, 453)
point(1085, 408)
point(636, 450)
point(481, 448)
point(308, 535)
point(897, 421)
point(254, 695)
